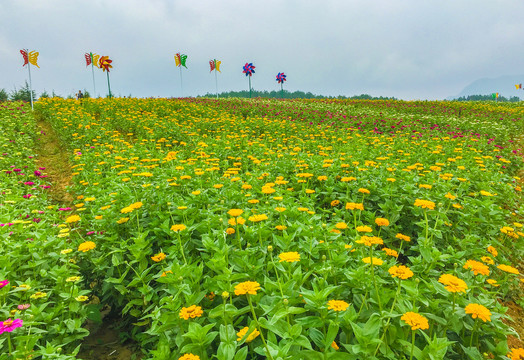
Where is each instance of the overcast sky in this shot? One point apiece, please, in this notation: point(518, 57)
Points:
point(410, 49)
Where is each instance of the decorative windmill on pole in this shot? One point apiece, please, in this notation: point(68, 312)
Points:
point(92, 59)
point(249, 70)
point(180, 60)
point(281, 77)
point(215, 65)
point(104, 63)
point(30, 57)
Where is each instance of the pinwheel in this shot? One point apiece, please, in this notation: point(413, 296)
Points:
point(518, 86)
point(30, 58)
point(215, 65)
point(249, 70)
point(281, 77)
point(92, 59)
point(495, 96)
point(104, 63)
point(180, 60)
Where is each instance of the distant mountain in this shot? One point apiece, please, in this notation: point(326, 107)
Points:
point(504, 85)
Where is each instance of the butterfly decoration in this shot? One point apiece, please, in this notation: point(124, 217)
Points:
point(249, 69)
point(518, 86)
point(214, 64)
point(92, 59)
point(30, 57)
point(180, 60)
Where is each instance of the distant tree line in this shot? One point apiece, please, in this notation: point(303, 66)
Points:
point(24, 94)
point(487, 98)
point(289, 95)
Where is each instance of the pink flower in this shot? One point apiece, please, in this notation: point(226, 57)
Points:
point(23, 306)
point(3, 283)
point(9, 325)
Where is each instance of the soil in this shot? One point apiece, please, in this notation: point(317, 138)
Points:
point(104, 343)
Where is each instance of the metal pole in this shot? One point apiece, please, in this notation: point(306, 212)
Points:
point(216, 81)
point(109, 85)
point(181, 84)
point(250, 86)
point(93, 73)
point(30, 84)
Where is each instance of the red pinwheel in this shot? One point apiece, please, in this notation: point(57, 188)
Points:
point(105, 63)
point(281, 77)
point(26, 58)
point(88, 59)
point(249, 69)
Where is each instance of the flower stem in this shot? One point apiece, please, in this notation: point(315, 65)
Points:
point(181, 247)
point(258, 326)
point(473, 332)
point(412, 344)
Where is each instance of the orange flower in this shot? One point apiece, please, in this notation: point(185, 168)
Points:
point(158, 257)
point(401, 271)
point(453, 283)
point(477, 267)
point(247, 287)
point(191, 312)
point(416, 321)
point(337, 305)
point(382, 222)
point(478, 311)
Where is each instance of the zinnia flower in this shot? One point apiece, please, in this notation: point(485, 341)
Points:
point(252, 336)
point(86, 246)
point(354, 206)
point(337, 305)
point(508, 269)
point(478, 311)
point(257, 218)
point(477, 267)
point(72, 219)
point(364, 229)
point(341, 225)
point(247, 287)
point(363, 191)
point(9, 325)
point(290, 257)
point(189, 357)
point(3, 283)
point(401, 271)
point(235, 212)
point(403, 237)
point(382, 222)
point(516, 354)
point(453, 283)
point(375, 261)
point(425, 204)
point(81, 298)
point(178, 227)
point(416, 321)
point(191, 312)
point(492, 251)
point(158, 257)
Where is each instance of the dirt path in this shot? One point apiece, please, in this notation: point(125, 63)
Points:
point(104, 342)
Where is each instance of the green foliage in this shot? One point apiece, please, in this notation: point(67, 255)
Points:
point(287, 95)
point(22, 94)
point(3, 95)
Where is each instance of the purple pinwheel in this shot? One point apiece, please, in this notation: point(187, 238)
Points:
point(249, 70)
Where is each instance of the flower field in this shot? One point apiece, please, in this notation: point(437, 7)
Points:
point(249, 229)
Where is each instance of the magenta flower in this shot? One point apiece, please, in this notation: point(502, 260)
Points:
point(9, 325)
point(3, 283)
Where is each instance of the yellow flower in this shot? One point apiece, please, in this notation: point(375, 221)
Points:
point(290, 257)
point(425, 204)
point(230, 231)
point(390, 252)
point(234, 221)
point(196, 192)
point(81, 298)
point(72, 219)
point(189, 357)
point(178, 227)
point(73, 279)
point(310, 191)
point(492, 251)
point(416, 321)
point(363, 191)
point(281, 227)
point(136, 205)
point(322, 178)
point(516, 354)
point(257, 217)
point(370, 240)
point(485, 193)
point(354, 206)
point(478, 311)
point(86, 246)
point(337, 305)
point(235, 212)
point(38, 295)
point(403, 237)
point(341, 225)
point(250, 337)
point(334, 345)
point(401, 271)
point(453, 283)
point(508, 269)
point(382, 222)
point(335, 202)
point(158, 257)
point(375, 261)
point(191, 312)
point(126, 210)
point(450, 196)
point(66, 251)
point(477, 267)
point(280, 209)
point(492, 282)
point(218, 186)
point(247, 287)
point(364, 229)
point(122, 220)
